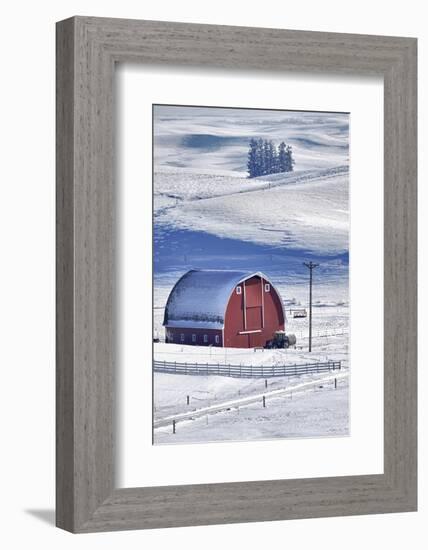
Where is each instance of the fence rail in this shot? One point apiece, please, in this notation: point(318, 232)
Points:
point(244, 371)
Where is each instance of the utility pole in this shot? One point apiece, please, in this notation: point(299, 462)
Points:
point(311, 266)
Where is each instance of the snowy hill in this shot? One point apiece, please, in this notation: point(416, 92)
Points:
point(216, 139)
point(307, 210)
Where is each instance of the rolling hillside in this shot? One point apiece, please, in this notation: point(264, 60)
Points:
point(306, 210)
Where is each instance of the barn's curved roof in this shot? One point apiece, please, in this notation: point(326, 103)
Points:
point(200, 297)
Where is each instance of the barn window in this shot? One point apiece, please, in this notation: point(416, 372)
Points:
point(217, 339)
point(238, 290)
point(193, 337)
point(170, 337)
point(205, 338)
point(182, 337)
point(267, 287)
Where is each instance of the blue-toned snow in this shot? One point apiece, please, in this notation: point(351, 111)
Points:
point(201, 296)
point(206, 139)
point(178, 250)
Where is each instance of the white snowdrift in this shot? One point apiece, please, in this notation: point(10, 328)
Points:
point(306, 210)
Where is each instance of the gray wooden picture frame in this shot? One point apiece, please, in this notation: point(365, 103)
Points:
point(87, 50)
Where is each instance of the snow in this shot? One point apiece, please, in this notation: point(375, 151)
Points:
point(314, 412)
point(306, 210)
point(295, 388)
point(306, 412)
point(309, 408)
point(202, 295)
point(215, 138)
point(191, 323)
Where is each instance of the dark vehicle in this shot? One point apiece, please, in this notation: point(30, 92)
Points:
point(299, 313)
point(281, 340)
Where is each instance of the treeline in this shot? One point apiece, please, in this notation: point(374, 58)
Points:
point(265, 158)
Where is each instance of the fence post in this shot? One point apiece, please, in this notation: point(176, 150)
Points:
point(173, 426)
point(188, 399)
point(264, 401)
point(265, 383)
point(335, 383)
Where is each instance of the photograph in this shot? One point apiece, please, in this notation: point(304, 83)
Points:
point(250, 274)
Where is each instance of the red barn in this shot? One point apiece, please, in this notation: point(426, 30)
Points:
point(223, 308)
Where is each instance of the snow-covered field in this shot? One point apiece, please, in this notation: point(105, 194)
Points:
point(312, 411)
point(317, 409)
point(306, 210)
point(197, 138)
point(207, 214)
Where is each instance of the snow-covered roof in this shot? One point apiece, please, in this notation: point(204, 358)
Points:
point(199, 299)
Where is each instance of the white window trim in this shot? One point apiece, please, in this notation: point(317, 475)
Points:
point(193, 337)
point(217, 339)
point(238, 290)
point(182, 337)
point(205, 338)
point(267, 287)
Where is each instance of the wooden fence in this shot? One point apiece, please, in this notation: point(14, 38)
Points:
point(245, 371)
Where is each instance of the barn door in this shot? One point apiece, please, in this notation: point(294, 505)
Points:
point(253, 304)
point(254, 318)
point(255, 340)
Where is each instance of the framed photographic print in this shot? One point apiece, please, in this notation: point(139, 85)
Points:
point(236, 274)
point(240, 223)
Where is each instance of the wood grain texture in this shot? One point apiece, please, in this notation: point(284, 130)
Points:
point(64, 278)
point(87, 50)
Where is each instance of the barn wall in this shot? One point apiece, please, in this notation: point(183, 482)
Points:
point(274, 316)
point(262, 310)
point(234, 322)
point(176, 336)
